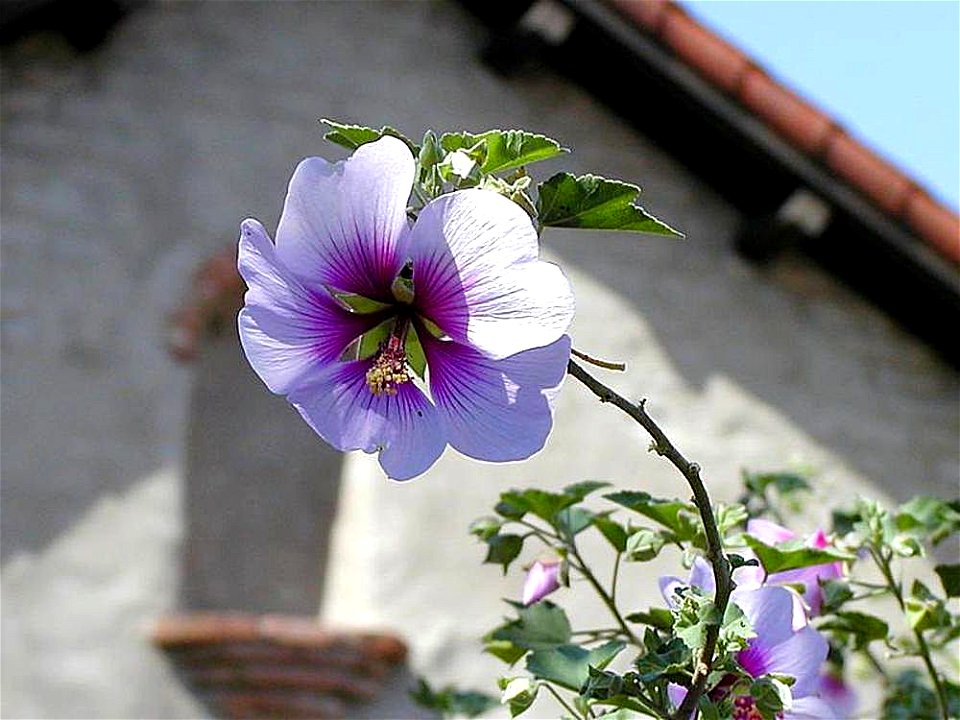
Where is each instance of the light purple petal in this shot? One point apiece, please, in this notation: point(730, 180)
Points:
point(669, 585)
point(769, 532)
point(288, 332)
point(677, 694)
point(770, 611)
point(814, 708)
point(701, 576)
point(801, 656)
point(477, 275)
point(403, 427)
point(495, 410)
point(345, 224)
point(542, 579)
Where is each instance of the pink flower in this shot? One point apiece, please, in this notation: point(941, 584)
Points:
point(542, 579)
point(810, 577)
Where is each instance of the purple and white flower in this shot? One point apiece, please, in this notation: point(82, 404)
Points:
point(342, 311)
point(781, 645)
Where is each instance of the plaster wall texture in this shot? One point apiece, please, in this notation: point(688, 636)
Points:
point(122, 169)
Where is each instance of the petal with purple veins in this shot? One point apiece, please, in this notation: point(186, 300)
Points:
point(288, 332)
point(404, 427)
point(478, 277)
point(800, 656)
point(344, 224)
point(495, 410)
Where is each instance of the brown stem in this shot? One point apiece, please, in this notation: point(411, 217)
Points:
point(691, 472)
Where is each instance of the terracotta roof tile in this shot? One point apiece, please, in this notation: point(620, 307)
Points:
point(868, 172)
point(714, 58)
point(798, 121)
point(803, 125)
point(933, 221)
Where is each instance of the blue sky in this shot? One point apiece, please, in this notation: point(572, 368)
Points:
point(888, 71)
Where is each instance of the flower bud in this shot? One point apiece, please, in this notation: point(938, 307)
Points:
point(542, 579)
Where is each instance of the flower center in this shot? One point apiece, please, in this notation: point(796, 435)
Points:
point(745, 708)
point(389, 368)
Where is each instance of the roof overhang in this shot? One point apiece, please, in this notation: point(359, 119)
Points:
point(744, 160)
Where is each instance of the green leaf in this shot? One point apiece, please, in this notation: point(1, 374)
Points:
point(924, 610)
point(518, 694)
point(572, 521)
point(430, 156)
point(771, 696)
point(504, 650)
point(784, 483)
point(353, 136)
point(680, 517)
point(659, 618)
point(613, 531)
point(580, 490)
point(864, 628)
point(545, 505)
point(793, 555)
point(485, 527)
point(835, 594)
point(450, 702)
point(503, 550)
point(644, 544)
point(569, 665)
point(949, 578)
point(538, 627)
point(736, 629)
point(929, 518)
point(592, 202)
point(504, 149)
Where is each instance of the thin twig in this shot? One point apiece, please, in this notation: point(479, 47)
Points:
point(691, 472)
point(606, 364)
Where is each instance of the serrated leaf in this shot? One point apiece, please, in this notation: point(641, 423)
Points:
point(353, 136)
point(788, 557)
point(569, 665)
point(949, 578)
point(644, 544)
point(540, 626)
point(504, 149)
point(680, 517)
point(865, 628)
point(503, 550)
point(545, 505)
point(593, 202)
point(613, 531)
